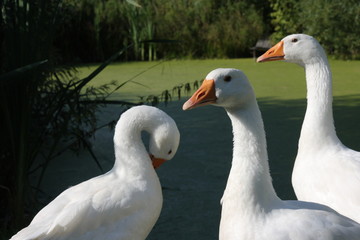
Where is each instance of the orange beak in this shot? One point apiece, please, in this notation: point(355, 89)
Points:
point(156, 162)
point(203, 96)
point(273, 54)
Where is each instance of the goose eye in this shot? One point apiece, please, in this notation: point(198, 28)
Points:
point(170, 152)
point(227, 79)
point(294, 40)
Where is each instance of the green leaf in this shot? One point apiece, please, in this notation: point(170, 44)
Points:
point(134, 3)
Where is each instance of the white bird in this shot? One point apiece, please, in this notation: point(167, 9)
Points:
point(251, 209)
point(125, 202)
point(325, 170)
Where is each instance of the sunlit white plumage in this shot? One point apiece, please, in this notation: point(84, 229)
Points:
point(325, 170)
point(125, 202)
point(251, 209)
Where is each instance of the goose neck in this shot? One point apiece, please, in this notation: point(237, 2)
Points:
point(249, 183)
point(319, 82)
point(130, 152)
point(318, 122)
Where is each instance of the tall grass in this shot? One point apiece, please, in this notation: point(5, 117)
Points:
point(23, 26)
point(45, 109)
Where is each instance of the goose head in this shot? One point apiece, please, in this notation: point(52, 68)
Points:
point(164, 136)
point(296, 48)
point(224, 87)
point(164, 142)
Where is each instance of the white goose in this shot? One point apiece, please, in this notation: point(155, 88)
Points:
point(250, 207)
point(325, 170)
point(125, 202)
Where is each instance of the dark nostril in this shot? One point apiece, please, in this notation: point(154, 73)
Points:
point(201, 95)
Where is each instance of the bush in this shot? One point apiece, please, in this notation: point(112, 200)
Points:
point(204, 28)
point(336, 24)
point(43, 106)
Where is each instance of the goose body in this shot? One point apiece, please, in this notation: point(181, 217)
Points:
point(125, 202)
point(251, 210)
point(325, 170)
